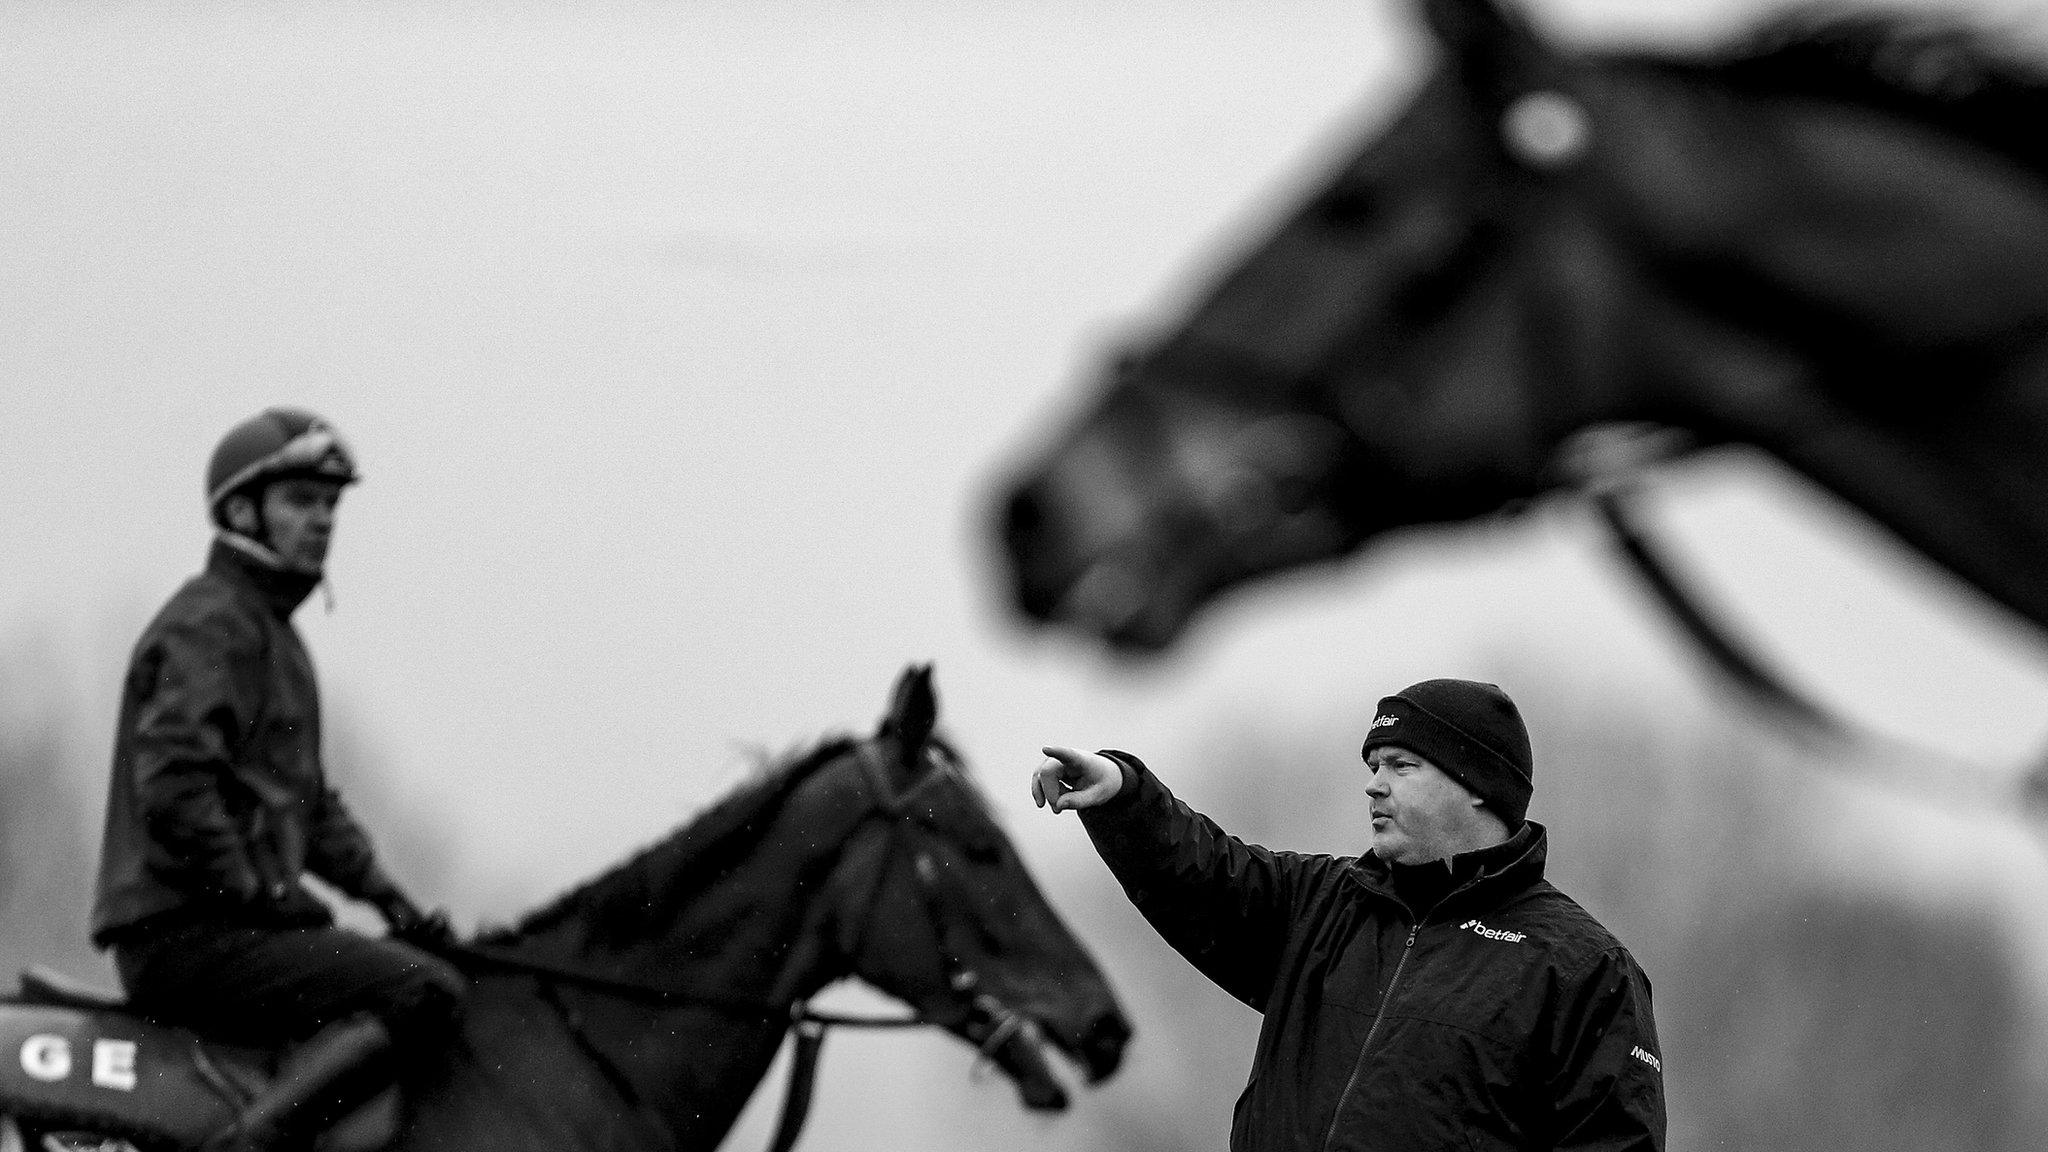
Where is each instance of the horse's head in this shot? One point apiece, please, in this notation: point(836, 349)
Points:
point(1820, 243)
point(933, 905)
point(870, 857)
point(1345, 378)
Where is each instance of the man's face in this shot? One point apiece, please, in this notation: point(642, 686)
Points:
point(1419, 813)
point(298, 514)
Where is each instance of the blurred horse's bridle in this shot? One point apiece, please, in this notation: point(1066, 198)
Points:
point(1609, 475)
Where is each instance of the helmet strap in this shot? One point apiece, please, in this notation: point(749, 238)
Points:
point(253, 548)
point(256, 531)
point(257, 543)
point(253, 537)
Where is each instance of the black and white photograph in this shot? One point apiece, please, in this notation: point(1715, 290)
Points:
point(1338, 575)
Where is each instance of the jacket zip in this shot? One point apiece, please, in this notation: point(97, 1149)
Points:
point(1358, 1066)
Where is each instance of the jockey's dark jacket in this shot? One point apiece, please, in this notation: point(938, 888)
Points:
point(218, 802)
point(1474, 1007)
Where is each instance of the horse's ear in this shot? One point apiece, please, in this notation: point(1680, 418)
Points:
point(1489, 42)
point(1466, 24)
point(913, 710)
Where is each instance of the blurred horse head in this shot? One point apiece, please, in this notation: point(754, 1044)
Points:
point(1829, 241)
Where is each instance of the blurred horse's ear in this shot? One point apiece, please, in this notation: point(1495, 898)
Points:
point(1463, 25)
point(913, 710)
point(1490, 45)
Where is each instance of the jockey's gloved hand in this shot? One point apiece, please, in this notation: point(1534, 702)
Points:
point(423, 928)
point(433, 931)
point(407, 920)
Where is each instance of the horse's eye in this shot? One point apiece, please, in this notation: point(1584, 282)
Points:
point(1348, 207)
point(1546, 130)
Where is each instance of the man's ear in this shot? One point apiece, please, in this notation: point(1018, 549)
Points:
point(240, 513)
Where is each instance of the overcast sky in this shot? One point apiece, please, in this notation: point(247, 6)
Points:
point(681, 345)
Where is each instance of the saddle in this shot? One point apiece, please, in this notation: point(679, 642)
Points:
point(76, 1056)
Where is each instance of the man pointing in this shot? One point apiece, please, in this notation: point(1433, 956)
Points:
point(1434, 992)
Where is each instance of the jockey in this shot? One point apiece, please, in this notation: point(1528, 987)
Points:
point(218, 805)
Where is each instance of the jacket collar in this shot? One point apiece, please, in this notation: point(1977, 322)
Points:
point(244, 562)
point(1487, 875)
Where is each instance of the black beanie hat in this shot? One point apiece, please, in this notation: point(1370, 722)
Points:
point(1470, 730)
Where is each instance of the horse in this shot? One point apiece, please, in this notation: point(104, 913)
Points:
point(1553, 270)
point(640, 1010)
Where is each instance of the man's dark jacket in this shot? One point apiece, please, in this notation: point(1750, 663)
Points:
point(1499, 1016)
point(218, 801)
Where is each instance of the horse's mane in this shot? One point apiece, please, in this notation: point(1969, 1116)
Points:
point(619, 902)
point(1963, 79)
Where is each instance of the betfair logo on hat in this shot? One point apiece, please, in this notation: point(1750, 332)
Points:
point(1501, 934)
point(1383, 721)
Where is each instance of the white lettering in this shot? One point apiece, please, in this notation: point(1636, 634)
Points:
point(46, 1057)
point(1501, 934)
point(1645, 1057)
point(113, 1064)
point(1383, 721)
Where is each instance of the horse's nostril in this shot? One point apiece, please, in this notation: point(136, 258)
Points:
point(1026, 519)
point(1024, 515)
point(1103, 1047)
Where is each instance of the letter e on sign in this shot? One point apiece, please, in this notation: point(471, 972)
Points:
point(46, 1057)
point(113, 1064)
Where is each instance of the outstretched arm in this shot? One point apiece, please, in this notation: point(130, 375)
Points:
point(1225, 905)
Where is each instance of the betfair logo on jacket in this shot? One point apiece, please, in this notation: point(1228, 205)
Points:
point(1383, 721)
point(1506, 937)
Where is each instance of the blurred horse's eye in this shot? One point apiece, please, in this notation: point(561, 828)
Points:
point(1347, 207)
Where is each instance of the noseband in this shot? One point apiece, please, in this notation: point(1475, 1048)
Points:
point(1604, 465)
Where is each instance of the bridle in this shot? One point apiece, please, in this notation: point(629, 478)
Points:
point(809, 1024)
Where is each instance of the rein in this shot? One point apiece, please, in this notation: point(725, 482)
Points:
point(1660, 575)
point(809, 1024)
point(662, 997)
point(1606, 466)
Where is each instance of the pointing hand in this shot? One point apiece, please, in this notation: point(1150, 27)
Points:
point(1071, 779)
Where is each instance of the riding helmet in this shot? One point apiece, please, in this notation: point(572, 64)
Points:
point(274, 444)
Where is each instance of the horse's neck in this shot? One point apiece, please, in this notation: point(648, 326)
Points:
point(1869, 309)
point(544, 1067)
point(1959, 472)
point(745, 941)
point(1830, 220)
point(730, 913)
